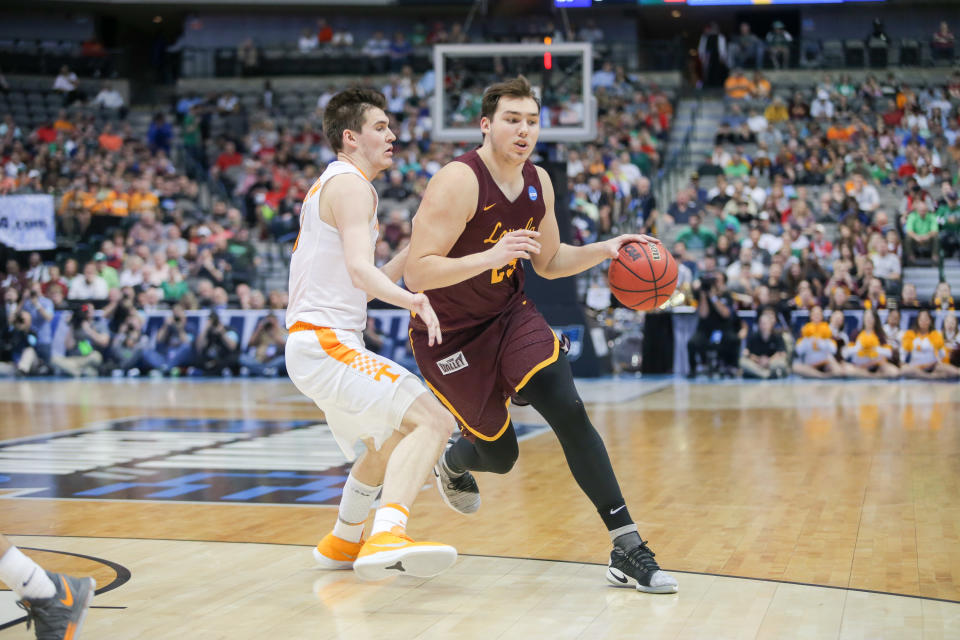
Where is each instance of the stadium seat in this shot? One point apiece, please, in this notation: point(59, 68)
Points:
point(854, 55)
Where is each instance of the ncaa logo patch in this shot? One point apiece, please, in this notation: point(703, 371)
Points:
point(532, 192)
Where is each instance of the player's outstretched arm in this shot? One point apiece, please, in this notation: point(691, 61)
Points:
point(559, 260)
point(448, 203)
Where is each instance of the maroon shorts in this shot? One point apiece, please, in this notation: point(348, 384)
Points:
point(476, 371)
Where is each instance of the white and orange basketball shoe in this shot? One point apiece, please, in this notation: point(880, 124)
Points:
point(333, 553)
point(392, 553)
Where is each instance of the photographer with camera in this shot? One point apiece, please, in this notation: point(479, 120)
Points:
point(18, 342)
point(265, 352)
point(85, 342)
point(121, 304)
point(173, 346)
point(717, 325)
point(40, 309)
point(218, 347)
point(128, 346)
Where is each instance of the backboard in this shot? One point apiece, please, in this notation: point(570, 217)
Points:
point(561, 74)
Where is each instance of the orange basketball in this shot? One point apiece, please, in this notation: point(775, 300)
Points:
point(643, 276)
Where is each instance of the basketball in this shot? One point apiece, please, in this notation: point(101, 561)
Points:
point(643, 276)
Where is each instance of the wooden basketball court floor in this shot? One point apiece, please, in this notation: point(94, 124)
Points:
point(785, 510)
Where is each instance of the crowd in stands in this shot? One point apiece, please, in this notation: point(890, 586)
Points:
point(185, 215)
point(816, 202)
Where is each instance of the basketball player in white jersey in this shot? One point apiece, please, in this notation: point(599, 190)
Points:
point(363, 396)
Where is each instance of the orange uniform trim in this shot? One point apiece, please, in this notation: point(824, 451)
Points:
point(398, 507)
point(334, 348)
point(328, 340)
point(305, 326)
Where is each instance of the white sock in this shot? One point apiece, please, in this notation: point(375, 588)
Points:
point(354, 508)
point(25, 576)
point(390, 516)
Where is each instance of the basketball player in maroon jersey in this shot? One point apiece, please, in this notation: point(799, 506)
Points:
point(480, 215)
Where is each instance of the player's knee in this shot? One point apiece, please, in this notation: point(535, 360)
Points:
point(500, 455)
point(571, 410)
point(501, 464)
point(441, 423)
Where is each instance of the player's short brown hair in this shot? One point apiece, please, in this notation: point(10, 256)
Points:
point(347, 110)
point(518, 87)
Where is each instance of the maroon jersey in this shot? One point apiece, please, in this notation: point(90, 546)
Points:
point(489, 294)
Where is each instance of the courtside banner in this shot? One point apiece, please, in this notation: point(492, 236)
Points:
point(26, 222)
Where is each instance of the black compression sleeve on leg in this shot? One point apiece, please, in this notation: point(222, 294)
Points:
point(551, 392)
point(495, 456)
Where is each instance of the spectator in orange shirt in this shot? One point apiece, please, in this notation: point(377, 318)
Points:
point(761, 87)
point(62, 123)
point(110, 141)
point(112, 201)
point(738, 86)
point(142, 198)
point(841, 129)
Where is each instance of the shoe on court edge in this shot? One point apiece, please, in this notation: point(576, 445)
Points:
point(392, 553)
point(333, 553)
point(461, 493)
point(60, 617)
point(638, 568)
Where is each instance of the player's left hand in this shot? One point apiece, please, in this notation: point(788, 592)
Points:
point(612, 246)
point(420, 305)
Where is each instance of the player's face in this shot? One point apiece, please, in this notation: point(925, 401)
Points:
point(376, 139)
point(514, 129)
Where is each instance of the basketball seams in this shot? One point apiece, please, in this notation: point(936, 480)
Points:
point(658, 292)
point(632, 272)
point(621, 289)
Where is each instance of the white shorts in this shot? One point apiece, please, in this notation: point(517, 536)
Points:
point(361, 394)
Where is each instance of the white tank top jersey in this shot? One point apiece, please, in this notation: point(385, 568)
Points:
point(321, 291)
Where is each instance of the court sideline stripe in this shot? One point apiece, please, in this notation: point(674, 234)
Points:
point(477, 555)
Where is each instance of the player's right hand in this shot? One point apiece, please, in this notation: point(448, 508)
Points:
point(521, 243)
point(421, 306)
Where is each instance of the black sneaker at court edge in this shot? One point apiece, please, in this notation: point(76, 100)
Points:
point(637, 568)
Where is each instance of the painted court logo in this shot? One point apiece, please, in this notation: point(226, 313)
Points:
point(219, 460)
point(453, 363)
